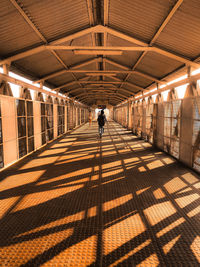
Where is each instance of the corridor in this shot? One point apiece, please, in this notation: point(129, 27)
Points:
point(85, 201)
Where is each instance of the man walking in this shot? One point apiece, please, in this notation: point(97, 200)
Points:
point(101, 121)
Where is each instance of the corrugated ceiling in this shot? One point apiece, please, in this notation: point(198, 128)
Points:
point(55, 19)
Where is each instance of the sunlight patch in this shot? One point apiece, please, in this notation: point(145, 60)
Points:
point(111, 173)
point(122, 232)
point(142, 190)
point(155, 164)
point(27, 250)
point(92, 212)
point(142, 169)
point(158, 193)
point(197, 185)
point(170, 227)
point(195, 247)
point(170, 244)
point(185, 190)
point(194, 212)
point(174, 185)
point(148, 157)
point(83, 253)
point(6, 204)
point(38, 198)
point(56, 223)
point(116, 202)
point(113, 180)
point(20, 179)
point(111, 164)
point(186, 200)
point(131, 253)
point(131, 160)
point(150, 261)
point(191, 179)
point(168, 160)
point(158, 212)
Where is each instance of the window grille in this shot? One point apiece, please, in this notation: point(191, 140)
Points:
point(61, 119)
point(196, 134)
point(25, 126)
point(1, 141)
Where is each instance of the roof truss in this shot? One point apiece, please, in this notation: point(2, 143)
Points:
point(100, 29)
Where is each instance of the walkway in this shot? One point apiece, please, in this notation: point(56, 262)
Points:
point(90, 202)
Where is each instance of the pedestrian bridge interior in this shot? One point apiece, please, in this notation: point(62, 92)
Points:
point(67, 196)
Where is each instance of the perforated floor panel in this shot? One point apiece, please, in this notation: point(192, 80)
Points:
point(86, 201)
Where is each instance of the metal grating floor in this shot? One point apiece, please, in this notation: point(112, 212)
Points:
point(86, 201)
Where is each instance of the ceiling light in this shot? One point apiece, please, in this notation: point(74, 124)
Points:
point(100, 74)
point(98, 52)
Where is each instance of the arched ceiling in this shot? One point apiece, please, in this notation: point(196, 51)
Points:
point(99, 49)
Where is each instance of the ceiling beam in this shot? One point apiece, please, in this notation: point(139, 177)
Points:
point(72, 69)
point(128, 83)
point(131, 71)
point(7, 78)
point(162, 26)
point(36, 30)
point(56, 42)
point(91, 89)
point(128, 92)
point(99, 97)
point(97, 48)
point(105, 20)
point(157, 50)
point(100, 28)
point(21, 11)
point(70, 83)
point(167, 19)
point(123, 36)
point(90, 12)
point(106, 91)
point(99, 94)
point(91, 18)
point(103, 82)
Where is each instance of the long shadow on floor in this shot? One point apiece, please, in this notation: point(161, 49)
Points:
point(113, 204)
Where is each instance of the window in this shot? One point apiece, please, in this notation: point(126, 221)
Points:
point(1, 141)
point(49, 122)
point(43, 128)
point(30, 127)
point(149, 123)
point(46, 122)
point(25, 126)
point(61, 119)
point(196, 134)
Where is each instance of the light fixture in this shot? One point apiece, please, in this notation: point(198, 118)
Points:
point(98, 52)
point(100, 74)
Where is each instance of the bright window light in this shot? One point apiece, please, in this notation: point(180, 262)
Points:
point(162, 86)
point(46, 88)
point(145, 93)
point(181, 90)
point(138, 96)
point(1, 70)
point(15, 89)
point(154, 97)
point(178, 79)
point(32, 94)
point(165, 95)
point(153, 90)
point(195, 72)
point(16, 76)
point(36, 84)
